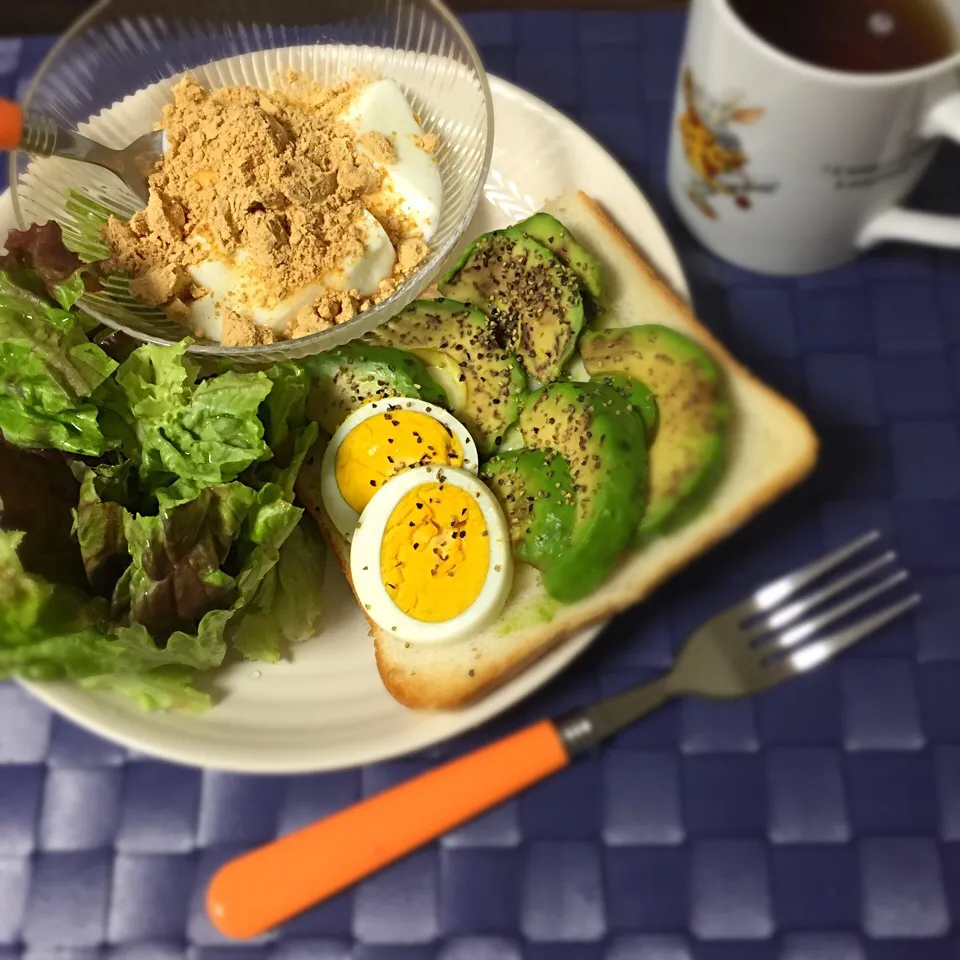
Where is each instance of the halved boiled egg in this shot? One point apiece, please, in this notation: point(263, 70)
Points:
point(381, 440)
point(430, 561)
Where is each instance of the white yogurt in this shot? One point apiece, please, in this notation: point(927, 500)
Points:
point(414, 178)
point(235, 284)
point(413, 182)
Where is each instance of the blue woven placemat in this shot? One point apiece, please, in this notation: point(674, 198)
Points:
point(819, 822)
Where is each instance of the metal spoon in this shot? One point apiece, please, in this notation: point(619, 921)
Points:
point(42, 137)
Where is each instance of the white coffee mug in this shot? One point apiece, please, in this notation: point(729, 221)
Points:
point(788, 168)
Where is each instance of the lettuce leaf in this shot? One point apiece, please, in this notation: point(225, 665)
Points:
point(38, 260)
point(69, 291)
point(267, 529)
point(297, 607)
point(55, 632)
point(28, 601)
point(286, 606)
point(285, 476)
point(284, 410)
point(179, 430)
point(176, 574)
point(165, 688)
point(38, 494)
point(106, 497)
point(48, 372)
point(286, 429)
point(205, 559)
point(200, 649)
point(164, 494)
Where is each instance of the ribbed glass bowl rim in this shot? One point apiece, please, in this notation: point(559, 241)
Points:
point(285, 350)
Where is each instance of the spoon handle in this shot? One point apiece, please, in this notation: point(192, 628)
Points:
point(33, 133)
point(264, 887)
point(40, 136)
point(11, 124)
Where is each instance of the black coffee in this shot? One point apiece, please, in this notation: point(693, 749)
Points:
point(858, 36)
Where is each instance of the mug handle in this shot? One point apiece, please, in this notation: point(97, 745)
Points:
point(912, 226)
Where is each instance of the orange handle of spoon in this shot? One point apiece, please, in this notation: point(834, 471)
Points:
point(11, 124)
point(266, 886)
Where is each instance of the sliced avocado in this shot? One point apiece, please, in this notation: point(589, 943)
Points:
point(347, 377)
point(602, 439)
point(533, 299)
point(549, 231)
point(536, 493)
point(639, 395)
point(687, 457)
point(512, 439)
point(487, 386)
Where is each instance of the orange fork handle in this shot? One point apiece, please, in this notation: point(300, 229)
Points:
point(266, 886)
point(11, 124)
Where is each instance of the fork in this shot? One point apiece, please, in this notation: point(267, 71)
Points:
point(40, 136)
point(770, 636)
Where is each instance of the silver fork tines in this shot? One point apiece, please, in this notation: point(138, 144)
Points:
point(773, 634)
point(770, 636)
point(783, 617)
point(778, 630)
point(796, 635)
point(813, 654)
point(773, 594)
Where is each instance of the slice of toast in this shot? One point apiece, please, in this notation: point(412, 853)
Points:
point(771, 448)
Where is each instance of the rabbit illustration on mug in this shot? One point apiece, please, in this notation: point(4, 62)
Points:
point(714, 149)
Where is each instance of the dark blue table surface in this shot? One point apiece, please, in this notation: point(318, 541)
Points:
point(819, 822)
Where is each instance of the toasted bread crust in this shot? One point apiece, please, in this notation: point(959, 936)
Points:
point(701, 332)
point(460, 673)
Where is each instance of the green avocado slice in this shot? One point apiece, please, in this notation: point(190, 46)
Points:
point(485, 386)
point(347, 377)
point(549, 231)
point(687, 458)
point(533, 299)
point(601, 437)
point(536, 493)
point(640, 396)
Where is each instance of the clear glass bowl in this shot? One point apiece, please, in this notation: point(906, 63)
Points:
point(110, 74)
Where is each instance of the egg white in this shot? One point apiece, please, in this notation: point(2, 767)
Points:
point(341, 514)
point(365, 560)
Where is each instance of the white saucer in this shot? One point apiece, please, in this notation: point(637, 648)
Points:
point(327, 708)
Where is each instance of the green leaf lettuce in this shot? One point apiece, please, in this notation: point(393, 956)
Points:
point(147, 522)
point(180, 430)
point(48, 372)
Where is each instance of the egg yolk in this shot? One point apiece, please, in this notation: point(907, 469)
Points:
point(386, 444)
point(435, 552)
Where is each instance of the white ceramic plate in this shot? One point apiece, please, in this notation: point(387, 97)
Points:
point(326, 709)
